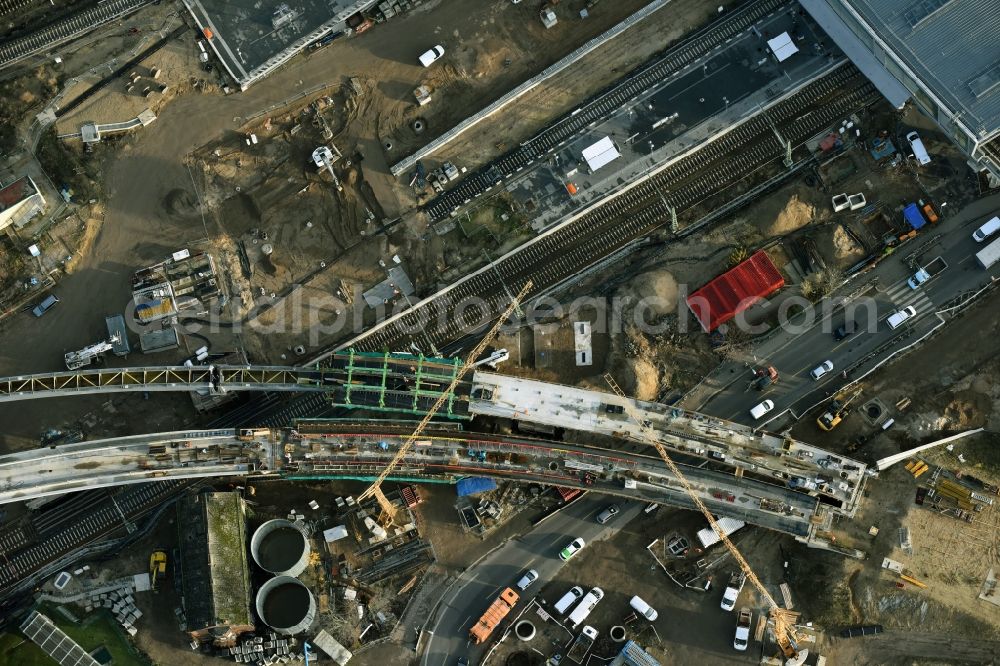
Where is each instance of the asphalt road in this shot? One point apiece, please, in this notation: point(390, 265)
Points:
point(795, 352)
point(462, 605)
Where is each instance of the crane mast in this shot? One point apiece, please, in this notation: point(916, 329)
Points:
point(375, 489)
point(784, 625)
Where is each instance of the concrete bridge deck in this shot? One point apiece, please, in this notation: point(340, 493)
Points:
point(345, 451)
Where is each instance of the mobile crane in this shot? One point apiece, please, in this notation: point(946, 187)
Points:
point(784, 620)
point(388, 515)
point(78, 359)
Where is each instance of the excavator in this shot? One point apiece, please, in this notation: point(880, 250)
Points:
point(835, 413)
point(157, 567)
point(783, 620)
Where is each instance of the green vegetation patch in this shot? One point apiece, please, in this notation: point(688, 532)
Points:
point(97, 630)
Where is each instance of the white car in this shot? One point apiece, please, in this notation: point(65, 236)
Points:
point(823, 368)
point(896, 319)
point(761, 409)
point(529, 577)
point(428, 58)
point(571, 549)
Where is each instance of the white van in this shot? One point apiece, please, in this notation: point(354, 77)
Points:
point(918, 149)
point(987, 230)
point(643, 609)
point(568, 599)
point(897, 318)
point(583, 608)
point(761, 409)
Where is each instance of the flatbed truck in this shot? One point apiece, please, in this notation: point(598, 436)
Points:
point(936, 267)
point(582, 644)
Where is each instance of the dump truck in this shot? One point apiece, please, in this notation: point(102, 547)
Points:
point(497, 611)
point(582, 644)
point(927, 272)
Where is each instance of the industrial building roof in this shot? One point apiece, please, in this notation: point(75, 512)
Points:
point(951, 45)
point(216, 578)
point(734, 291)
point(16, 192)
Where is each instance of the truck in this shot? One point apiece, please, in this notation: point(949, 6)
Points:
point(581, 646)
point(803, 483)
point(989, 255)
point(736, 582)
point(79, 359)
point(742, 638)
point(924, 274)
point(495, 614)
point(764, 377)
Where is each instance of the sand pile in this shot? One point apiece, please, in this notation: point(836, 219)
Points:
point(843, 245)
point(795, 215)
point(657, 290)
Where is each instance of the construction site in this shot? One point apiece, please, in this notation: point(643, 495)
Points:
point(427, 326)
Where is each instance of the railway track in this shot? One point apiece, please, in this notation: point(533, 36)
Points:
point(570, 248)
point(65, 30)
point(11, 6)
point(65, 527)
point(602, 106)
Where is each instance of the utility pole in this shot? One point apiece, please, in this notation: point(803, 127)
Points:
point(506, 289)
point(129, 526)
point(672, 211)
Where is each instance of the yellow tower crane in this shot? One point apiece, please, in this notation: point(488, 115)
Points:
point(784, 620)
point(375, 490)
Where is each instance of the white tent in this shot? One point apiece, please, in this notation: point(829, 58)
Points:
point(783, 47)
point(335, 534)
point(600, 153)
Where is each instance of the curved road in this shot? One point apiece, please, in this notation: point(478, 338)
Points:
point(476, 588)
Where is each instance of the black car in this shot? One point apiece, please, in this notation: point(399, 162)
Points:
point(846, 329)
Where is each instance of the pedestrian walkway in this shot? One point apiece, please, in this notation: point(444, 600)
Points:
point(902, 295)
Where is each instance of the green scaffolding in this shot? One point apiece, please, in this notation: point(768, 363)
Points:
point(425, 373)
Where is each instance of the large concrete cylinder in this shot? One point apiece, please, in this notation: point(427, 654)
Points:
point(280, 547)
point(286, 605)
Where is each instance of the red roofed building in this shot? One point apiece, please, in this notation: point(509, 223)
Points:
point(19, 202)
point(734, 291)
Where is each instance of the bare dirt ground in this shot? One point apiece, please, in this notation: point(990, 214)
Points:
point(556, 96)
point(149, 170)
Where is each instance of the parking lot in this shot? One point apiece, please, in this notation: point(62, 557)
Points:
point(690, 626)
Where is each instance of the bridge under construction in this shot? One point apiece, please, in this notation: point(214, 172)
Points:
point(404, 383)
point(349, 449)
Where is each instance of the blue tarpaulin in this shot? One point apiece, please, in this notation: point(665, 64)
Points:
point(474, 485)
point(913, 216)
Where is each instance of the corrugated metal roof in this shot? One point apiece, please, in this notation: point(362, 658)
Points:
point(951, 45)
point(734, 291)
